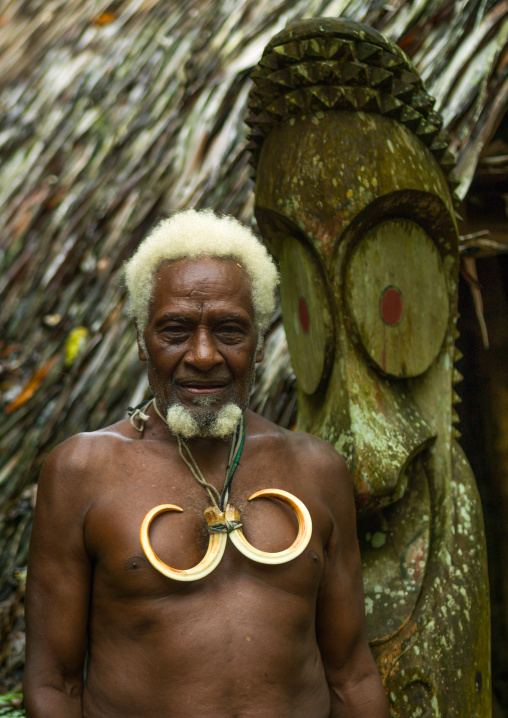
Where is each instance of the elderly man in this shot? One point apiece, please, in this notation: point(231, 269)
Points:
point(196, 559)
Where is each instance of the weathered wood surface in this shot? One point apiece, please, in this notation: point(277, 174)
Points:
point(307, 295)
point(353, 176)
point(407, 285)
point(112, 118)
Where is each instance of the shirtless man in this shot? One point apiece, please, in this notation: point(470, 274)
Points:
point(247, 639)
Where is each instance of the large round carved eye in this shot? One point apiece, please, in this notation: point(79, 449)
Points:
point(396, 295)
point(306, 313)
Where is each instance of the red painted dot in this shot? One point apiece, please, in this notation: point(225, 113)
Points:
point(391, 306)
point(303, 315)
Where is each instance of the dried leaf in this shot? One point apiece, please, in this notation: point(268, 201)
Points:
point(104, 18)
point(32, 385)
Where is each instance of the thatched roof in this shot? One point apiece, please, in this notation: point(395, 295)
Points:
point(115, 114)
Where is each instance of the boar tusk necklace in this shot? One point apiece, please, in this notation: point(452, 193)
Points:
point(223, 519)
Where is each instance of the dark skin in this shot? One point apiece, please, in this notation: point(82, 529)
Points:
point(249, 640)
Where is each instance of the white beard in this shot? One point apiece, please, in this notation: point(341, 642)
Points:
point(219, 425)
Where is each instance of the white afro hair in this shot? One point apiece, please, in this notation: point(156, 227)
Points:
point(192, 233)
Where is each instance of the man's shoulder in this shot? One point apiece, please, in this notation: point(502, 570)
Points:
point(305, 449)
point(79, 453)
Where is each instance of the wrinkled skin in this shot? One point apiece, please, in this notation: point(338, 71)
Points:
point(247, 640)
point(178, 313)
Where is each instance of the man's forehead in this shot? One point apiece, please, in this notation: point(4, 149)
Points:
point(219, 279)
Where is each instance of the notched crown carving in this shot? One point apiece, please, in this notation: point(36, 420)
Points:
point(335, 64)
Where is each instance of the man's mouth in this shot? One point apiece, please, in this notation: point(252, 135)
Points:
point(203, 388)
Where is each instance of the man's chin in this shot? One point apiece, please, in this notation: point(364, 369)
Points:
point(205, 402)
point(209, 396)
point(206, 422)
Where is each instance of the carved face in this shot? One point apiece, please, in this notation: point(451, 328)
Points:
point(358, 214)
point(364, 234)
point(352, 195)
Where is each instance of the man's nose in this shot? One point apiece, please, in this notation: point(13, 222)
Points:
point(203, 353)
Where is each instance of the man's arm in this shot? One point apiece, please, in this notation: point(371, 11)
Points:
point(356, 690)
point(58, 591)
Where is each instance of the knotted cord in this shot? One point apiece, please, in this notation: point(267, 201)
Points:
point(136, 413)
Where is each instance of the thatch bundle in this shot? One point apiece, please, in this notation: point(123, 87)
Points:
point(115, 114)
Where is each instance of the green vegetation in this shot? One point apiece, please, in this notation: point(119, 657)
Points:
point(10, 705)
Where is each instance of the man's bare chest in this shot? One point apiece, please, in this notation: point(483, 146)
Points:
point(137, 480)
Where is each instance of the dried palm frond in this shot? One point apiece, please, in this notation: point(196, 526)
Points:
point(113, 118)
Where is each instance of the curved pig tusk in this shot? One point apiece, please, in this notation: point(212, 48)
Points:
point(216, 545)
point(299, 544)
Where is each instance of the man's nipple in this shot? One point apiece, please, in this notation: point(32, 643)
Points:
point(135, 563)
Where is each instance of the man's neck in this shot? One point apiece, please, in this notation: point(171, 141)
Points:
point(207, 450)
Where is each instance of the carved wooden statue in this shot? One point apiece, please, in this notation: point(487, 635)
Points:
point(354, 198)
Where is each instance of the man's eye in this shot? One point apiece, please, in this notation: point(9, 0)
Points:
point(229, 330)
point(174, 330)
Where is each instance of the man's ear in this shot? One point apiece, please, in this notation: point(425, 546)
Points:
point(141, 346)
point(260, 352)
